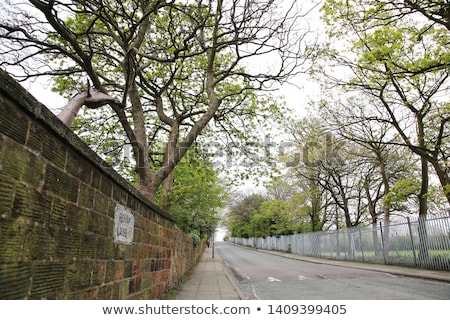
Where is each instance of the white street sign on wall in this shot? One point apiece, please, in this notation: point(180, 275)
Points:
point(123, 225)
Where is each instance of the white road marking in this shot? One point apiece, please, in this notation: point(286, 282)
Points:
point(300, 277)
point(390, 275)
point(272, 279)
point(254, 293)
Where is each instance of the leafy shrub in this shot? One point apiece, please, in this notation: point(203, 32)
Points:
point(195, 239)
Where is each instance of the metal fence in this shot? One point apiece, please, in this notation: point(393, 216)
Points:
point(421, 243)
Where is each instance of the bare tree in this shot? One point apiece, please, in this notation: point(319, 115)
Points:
point(399, 62)
point(402, 63)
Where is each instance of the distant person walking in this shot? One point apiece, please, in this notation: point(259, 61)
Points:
point(208, 243)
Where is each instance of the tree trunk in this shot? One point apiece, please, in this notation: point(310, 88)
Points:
point(167, 191)
point(423, 209)
point(90, 98)
point(386, 212)
point(423, 196)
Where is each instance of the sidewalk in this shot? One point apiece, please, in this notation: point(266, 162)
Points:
point(209, 280)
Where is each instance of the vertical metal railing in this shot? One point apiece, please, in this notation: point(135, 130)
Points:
point(415, 243)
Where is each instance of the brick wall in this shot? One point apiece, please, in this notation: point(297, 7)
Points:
point(57, 206)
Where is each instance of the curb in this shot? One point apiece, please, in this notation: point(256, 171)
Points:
point(231, 278)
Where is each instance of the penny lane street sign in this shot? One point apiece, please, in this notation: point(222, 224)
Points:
point(123, 225)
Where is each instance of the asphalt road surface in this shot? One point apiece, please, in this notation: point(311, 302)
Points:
point(264, 276)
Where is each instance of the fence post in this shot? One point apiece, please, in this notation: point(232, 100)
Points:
point(360, 240)
point(338, 247)
point(382, 243)
point(331, 244)
point(303, 243)
point(412, 241)
point(345, 243)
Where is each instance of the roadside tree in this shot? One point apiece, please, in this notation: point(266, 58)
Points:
point(171, 70)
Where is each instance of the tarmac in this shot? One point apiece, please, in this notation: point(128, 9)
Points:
point(211, 280)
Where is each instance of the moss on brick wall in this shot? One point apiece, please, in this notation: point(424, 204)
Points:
point(57, 203)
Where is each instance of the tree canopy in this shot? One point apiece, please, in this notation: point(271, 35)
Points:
point(396, 56)
point(176, 69)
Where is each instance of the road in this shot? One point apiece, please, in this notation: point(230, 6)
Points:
point(265, 276)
